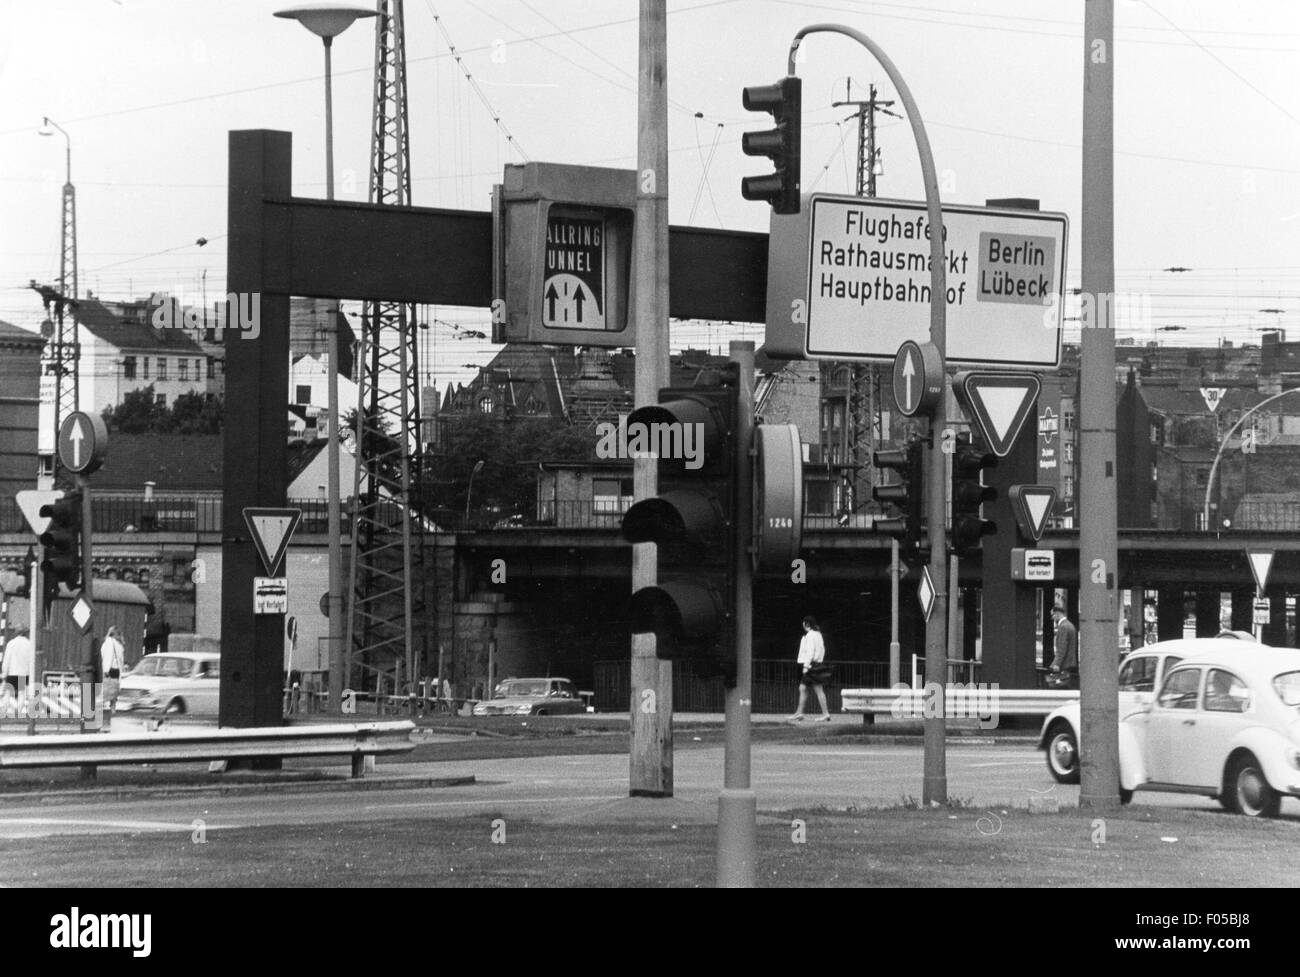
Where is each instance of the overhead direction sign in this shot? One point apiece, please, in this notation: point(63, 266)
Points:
point(83, 441)
point(925, 592)
point(918, 378)
point(573, 291)
point(30, 502)
point(1261, 561)
point(1032, 507)
point(271, 530)
point(998, 403)
point(849, 279)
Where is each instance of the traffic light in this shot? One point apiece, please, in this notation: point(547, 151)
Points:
point(62, 541)
point(968, 461)
point(781, 145)
point(906, 495)
point(692, 520)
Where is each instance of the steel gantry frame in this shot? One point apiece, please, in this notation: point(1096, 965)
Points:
point(388, 577)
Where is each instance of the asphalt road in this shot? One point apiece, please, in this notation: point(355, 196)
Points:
point(787, 777)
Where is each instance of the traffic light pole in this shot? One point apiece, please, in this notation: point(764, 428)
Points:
point(895, 649)
point(87, 585)
point(737, 805)
point(935, 784)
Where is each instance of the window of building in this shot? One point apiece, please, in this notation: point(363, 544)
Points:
point(144, 361)
point(1067, 486)
point(183, 366)
point(160, 400)
point(212, 367)
point(1067, 418)
point(485, 404)
point(162, 368)
point(1069, 452)
point(128, 368)
point(611, 494)
point(303, 393)
point(198, 369)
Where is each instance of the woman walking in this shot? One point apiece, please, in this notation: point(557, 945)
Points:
point(812, 651)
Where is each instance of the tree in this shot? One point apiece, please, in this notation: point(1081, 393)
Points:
point(139, 413)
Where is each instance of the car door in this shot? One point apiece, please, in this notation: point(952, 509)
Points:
point(1172, 716)
point(1227, 707)
point(1137, 680)
point(206, 687)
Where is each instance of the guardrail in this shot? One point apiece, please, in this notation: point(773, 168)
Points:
point(357, 740)
point(975, 702)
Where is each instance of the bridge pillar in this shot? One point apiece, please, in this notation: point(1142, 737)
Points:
point(1243, 610)
point(1275, 629)
point(1169, 613)
point(1208, 613)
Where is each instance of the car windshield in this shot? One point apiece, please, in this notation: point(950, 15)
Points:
point(1287, 687)
point(522, 688)
point(170, 666)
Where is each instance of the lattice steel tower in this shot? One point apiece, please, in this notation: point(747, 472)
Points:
point(386, 620)
point(63, 355)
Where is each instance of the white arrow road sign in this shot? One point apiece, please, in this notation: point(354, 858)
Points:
point(76, 437)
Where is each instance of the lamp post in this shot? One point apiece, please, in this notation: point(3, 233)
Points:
point(478, 467)
point(327, 21)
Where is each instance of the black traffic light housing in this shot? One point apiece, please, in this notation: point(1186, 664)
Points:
point(968, 461)
point(907, 494)
point(62, 541)
point(781, 145)
point(692, 520)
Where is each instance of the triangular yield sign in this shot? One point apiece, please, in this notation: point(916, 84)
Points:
point(998, 403)
point(1032, 506)
point(1260, 563)
point(271, 530)
point(30, 502)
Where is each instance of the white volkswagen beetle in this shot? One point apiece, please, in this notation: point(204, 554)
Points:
point(1226, 724)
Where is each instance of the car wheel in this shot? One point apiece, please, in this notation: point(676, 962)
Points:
point(539, 712)
point(1063, 754)
point(1247, 791)
point(175, 707)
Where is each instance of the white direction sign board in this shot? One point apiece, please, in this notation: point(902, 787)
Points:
point(271, 530)
point(1261, 561)
point(849, 279)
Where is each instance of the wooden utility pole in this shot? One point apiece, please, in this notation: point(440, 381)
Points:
point(651, 773)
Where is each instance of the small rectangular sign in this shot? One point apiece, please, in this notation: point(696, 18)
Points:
point(270, 595)
point(1033, 565)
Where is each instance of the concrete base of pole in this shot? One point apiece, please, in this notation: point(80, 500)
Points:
point(1100, 802)
point(737, 839)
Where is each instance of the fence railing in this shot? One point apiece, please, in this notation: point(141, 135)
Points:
point(775, 685)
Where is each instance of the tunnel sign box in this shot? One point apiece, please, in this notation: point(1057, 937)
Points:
point(849, 279)
point(562, 249)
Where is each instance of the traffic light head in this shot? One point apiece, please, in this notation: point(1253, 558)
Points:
point(781, 145)
point(905, 494)
point(692, 521)
point(62, 540)
point(968, 494)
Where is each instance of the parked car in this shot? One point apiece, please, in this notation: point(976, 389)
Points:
point(172, 682)
point(1225, 724)
point(1140, 674)
point(532, 697)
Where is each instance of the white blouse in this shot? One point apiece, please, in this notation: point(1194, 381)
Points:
point(811, 648)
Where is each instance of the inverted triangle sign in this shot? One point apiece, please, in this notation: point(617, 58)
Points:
point(1032, 507)
point(1260, 564)
point(999, 404)
point(271, 530)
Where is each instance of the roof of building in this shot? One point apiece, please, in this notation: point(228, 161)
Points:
point(173, 462)
point(104, 324)
point(11, 335)
point(300, 455)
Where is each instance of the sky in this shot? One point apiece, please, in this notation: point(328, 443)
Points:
point(1207, 130)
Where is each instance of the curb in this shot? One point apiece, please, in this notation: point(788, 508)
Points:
point(129, 793)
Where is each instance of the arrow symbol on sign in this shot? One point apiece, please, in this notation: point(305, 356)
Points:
point(578, 300)
point(76, 437)
point(909, 371)
point(551, 296)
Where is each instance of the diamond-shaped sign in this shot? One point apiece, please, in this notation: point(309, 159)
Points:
point(1032, 506)
point(998, 404)
point(83, 613)
point(925, 593)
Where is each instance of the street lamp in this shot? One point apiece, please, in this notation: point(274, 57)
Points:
point(327, 21)
point(469, 493)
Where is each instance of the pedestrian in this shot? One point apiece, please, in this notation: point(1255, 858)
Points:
point(19, 664)
point(1066, 662)
point(812, 652)
point(112, 660)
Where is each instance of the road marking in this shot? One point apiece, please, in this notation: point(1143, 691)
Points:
point(499, 801)
point(1009, 763)
point(128, 825)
